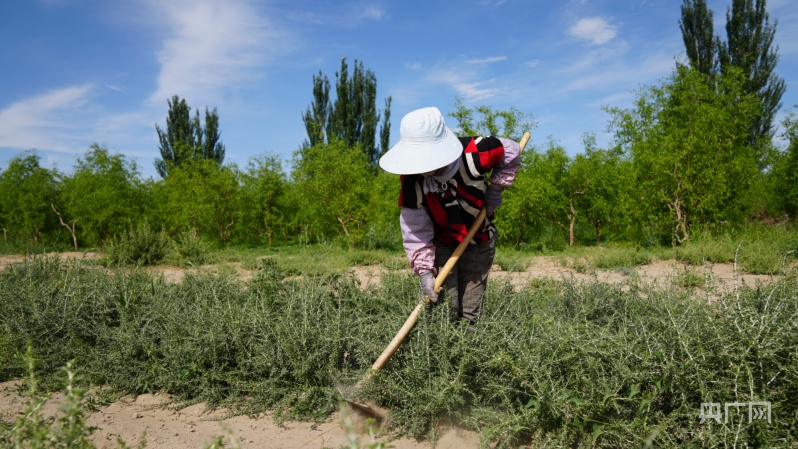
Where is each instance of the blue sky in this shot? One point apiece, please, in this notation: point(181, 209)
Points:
point(76, 72)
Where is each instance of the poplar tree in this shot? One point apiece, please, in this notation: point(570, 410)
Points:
point(750, 47)
point(186, 139)
point(352, 117)
point(700, 42)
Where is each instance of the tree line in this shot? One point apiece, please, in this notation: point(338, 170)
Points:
point(695, 152)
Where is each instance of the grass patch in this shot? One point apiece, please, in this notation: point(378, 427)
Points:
point(510, 260)
point(312, 260)
point(618, 258)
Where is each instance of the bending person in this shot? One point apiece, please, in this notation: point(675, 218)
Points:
point(445, 182)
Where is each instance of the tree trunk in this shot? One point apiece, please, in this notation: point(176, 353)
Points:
point(343, 225)
point(557, 222)
point(70, 229)
point(5, 236)
point(224, 230)
point(681, 221)
point(572, 218)
point(597, 227)
point(266, 226)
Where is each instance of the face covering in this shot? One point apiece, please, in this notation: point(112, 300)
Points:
point(438, 183)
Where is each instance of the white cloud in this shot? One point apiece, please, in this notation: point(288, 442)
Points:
point(212, 46)
point(469, 89)
point(532, 63)
point(474, 92)
point(489, 60)
point(493, 2)
point(44, 121)
point(623, 74)
point(372, 12)
point(595, 30)
point(620, 98)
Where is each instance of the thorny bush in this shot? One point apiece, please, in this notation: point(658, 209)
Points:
point(559, 362)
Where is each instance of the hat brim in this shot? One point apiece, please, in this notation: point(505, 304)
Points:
point(410, 158)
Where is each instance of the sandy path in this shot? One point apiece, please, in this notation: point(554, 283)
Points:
point(195, 427)
point(659, 273)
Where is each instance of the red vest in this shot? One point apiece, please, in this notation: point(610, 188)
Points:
point(454, 209)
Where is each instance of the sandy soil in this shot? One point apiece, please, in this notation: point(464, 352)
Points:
point(659, 273)
point(132, 418)
point(195, 427)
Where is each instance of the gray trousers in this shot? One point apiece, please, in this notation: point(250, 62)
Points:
point(465, 285)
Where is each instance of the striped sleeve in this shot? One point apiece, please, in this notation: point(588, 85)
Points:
point(482, 154)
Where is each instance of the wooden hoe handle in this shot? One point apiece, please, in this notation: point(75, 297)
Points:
point(447, 268)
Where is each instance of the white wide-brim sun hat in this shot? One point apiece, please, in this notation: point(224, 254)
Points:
point(425, 144)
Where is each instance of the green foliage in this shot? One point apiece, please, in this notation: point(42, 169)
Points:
point(103, 194)
point(562, 364)
point(580, 357)
point(551, 182)
point(262, 194)
point(623, 257)
point(142, 245)
point(201, 197)
point(756, 249)
point(186, 139)
point(699, 38)
point(554, 190)
point(784, 176)
point(32, 430)
point(353, 117)
point(749, 48)
point(606, 202)
point(688, 277)
point(27, 191)
point(510, 123)
point(688, 146)
point(382, 226)
point(509, 260)
point(332, 182)
point(192, 249)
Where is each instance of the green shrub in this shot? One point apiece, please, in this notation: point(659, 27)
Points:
point(563, 363)
point(141, 246)
point(192, 249)
point(380, 238)
point(363, 257)
point(614, 258)
point(687, 277)
point(511, 260)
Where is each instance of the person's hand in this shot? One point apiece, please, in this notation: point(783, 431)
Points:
point(427, 280)
point(493, 199)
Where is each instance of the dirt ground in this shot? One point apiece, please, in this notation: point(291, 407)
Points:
point(194, 427)
point(132, 418)
point(659, 273)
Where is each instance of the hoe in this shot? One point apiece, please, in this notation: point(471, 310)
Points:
point(369, 407)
